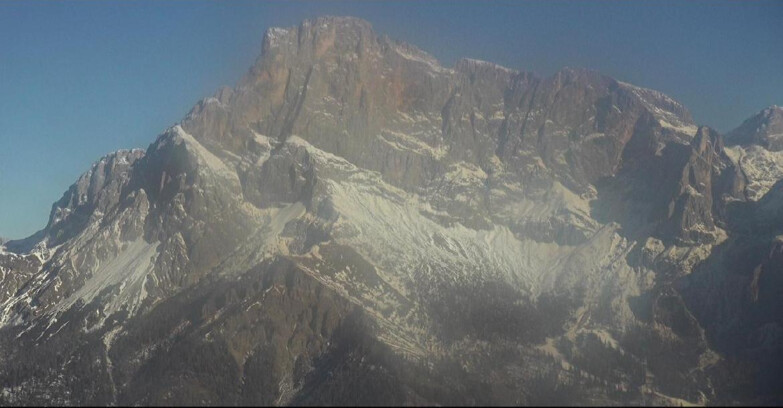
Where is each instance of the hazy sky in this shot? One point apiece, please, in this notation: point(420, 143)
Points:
point(81, 79)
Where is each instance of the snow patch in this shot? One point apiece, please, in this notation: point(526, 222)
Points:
point(689, 130)
point(274, 36)
point(415, 55)
point(128, 269)
point(761, 167)
point(206, 158)
point(374, 219)
point(404, 142)
point(491, 65)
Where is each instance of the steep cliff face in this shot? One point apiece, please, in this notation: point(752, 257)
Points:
point(691, 217)
point(354, 222)
point(331, 81)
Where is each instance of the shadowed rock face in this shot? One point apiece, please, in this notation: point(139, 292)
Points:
point(691, 208)
point(354, 223)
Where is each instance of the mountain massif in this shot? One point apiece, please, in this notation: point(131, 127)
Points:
point(354, 223)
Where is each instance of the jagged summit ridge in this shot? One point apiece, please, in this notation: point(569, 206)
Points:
point(354, 222)
point(366, 85)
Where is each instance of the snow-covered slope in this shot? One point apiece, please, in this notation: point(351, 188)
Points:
point(354, 223)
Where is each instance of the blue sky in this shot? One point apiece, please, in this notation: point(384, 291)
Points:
point(83, 78)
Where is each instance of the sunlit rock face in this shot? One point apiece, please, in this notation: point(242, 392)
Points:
point(354, 223)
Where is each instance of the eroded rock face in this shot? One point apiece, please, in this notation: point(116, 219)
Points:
point(354, 223)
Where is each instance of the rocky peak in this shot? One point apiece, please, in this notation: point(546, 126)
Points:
point(707, 141)
point(315, 38)
point(94, 194)
point(380, 103)
point(691, 208)
point(764, 129)
point(451, 209)
point(669, 113)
